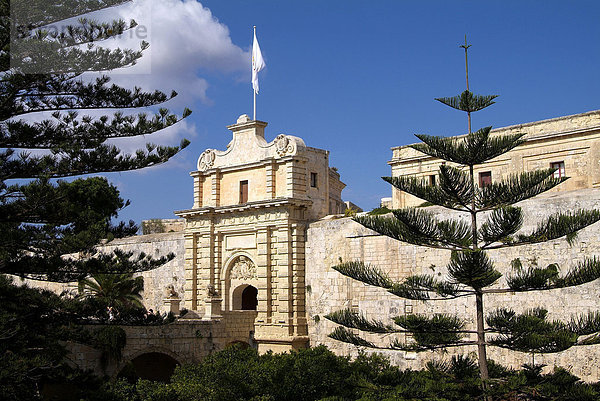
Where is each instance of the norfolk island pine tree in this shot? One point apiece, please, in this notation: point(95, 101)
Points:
point(471, 273)
point(43, 216)
point(43, 219)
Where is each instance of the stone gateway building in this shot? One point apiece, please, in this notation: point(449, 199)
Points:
point(246, 232)
point(254, 254)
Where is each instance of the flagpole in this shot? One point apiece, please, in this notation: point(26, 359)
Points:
point(253, 91)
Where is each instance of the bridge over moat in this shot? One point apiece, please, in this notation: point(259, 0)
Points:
point(154, 350)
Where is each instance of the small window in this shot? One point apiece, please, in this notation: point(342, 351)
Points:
point(560, 169)
point(313, 180)
point(243, 191)
point(432, 180)
point(485, 178)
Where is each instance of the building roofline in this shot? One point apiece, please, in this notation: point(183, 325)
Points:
point(531, 124)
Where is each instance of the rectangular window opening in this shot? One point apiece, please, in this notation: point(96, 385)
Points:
point(432, 180)
point(560, 169)
point(313, 180)
point(244, 191)
point(485, 178)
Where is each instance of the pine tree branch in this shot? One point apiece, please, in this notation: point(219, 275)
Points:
point(57, 268)
point(419, 227)
point(33, 14)
point(419, 287)
point(345, 335)
point(365, 273)
point(586, 324)
point(354, 320)
point(101, 159)
point(413, 347)
point(554, 227)
point(530, 331)
point(472, 268)
point(69, 132)
point(475, 148)
point(467, 101)
point(501, 224)
point(453, 192)
point(517, 188)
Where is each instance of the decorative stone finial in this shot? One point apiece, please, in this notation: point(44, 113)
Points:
point(244, 118)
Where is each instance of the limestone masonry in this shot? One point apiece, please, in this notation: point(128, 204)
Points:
point(245, 234)
point(571, 144)
point(255, 250)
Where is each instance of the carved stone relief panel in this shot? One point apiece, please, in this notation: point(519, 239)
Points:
point(243, 269)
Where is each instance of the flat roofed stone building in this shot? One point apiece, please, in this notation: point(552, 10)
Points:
point(570, 144)
point(245, 234)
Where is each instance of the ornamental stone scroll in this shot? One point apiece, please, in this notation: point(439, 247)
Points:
point(207, 159)
point(283, 145)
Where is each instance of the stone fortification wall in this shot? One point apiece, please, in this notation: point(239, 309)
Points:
point(327, 290)
point(157, 281)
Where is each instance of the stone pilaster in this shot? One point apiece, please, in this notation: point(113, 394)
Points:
point(215, 194)
point(198, 188)
point(271, 180)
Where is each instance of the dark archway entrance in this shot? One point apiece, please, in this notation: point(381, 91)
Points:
point(154, 366)
point(249, 298)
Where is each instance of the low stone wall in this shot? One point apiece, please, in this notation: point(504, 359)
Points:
point(327, 290)
point(156, 282)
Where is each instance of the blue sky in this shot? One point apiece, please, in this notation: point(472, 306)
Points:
point(358, 77)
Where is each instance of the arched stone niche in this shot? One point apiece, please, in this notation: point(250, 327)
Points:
point(241, 279)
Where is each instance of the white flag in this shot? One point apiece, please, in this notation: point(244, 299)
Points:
point(257, 63)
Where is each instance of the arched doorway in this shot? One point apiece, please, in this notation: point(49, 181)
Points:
point(155, 366)
point(245, 297)
point(249, 298)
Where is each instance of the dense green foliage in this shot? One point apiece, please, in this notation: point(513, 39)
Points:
point(50, 226)
point(318, 374)
point(118, 291)
point(42, 219)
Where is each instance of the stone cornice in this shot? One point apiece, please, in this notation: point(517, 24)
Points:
point(570, 129)
point(263, 204)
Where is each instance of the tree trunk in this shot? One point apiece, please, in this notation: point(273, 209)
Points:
point(481, 349)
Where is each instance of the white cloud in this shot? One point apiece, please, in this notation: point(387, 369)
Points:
point(186, 41)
